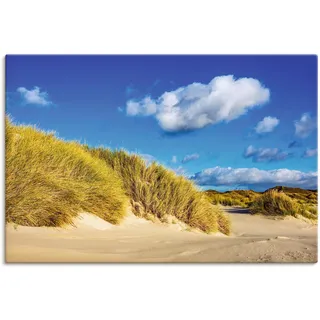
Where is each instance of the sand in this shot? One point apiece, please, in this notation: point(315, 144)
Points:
point(254, 239)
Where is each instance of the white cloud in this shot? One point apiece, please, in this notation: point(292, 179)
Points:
point(255, 178)
point(268, 124)
point(305, 125)
point(198, 105)
point(144, 107)
point(310, 153)
point(174, 159)
point(265, 154)
point(190, 157)
point(34, 96)
point(250, 151)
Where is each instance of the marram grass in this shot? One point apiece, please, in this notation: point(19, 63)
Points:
point(238, 198)
point(50, 181)
point(277, 203)
point(156, 191)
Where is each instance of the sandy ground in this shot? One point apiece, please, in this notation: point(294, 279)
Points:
point(254, 239)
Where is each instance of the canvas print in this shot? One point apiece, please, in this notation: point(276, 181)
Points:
point(161, 158)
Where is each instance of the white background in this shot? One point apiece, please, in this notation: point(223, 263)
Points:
point(157, 291)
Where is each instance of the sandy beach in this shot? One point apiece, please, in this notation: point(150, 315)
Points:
point(254, 239)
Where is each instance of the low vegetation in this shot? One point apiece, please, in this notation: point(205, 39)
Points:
point(244, 198)
point(278, 203)
point(50, 181)
point(156, 191)
point(302, 196)
point(238, 198)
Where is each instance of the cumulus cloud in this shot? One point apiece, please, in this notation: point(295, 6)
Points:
point(145, 107)
point(34, 96)
point(254, 178)
point(266, 125)
point(305, 125)
point(190, 157)
point(265, 154)
point(310, 153)
point(198, 105)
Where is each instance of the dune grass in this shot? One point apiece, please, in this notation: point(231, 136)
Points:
point(49, 181)
point(308, 199)
point(238, 198)
point(158, 192)
point(277, 203)
point(302, 196)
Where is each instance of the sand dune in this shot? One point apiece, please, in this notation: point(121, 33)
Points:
point(254, 239)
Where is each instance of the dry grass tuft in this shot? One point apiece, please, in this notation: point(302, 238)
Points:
point(275, 203)
point(238, 198)
point(155, 190)
point(49, 181)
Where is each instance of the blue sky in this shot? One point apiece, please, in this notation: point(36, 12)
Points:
point(224, 121)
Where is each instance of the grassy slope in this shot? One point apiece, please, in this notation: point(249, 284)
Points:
point(277, 203)
point(302, 196)
point(241, 198)
point(244, 198)
point(156, 191)
point(49, 181)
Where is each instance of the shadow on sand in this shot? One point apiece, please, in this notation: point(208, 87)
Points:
point(237, 210)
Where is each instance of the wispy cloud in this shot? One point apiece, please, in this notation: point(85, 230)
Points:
point(198, 105)
point(190, 157)
point(34, 96)
point(268, 124)
point(174, 159)
point(265, 154)
point(310, 153)
point(305, 126)
point(255, 178)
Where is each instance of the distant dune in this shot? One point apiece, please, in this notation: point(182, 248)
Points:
point(254, 239)
point(280, 201)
